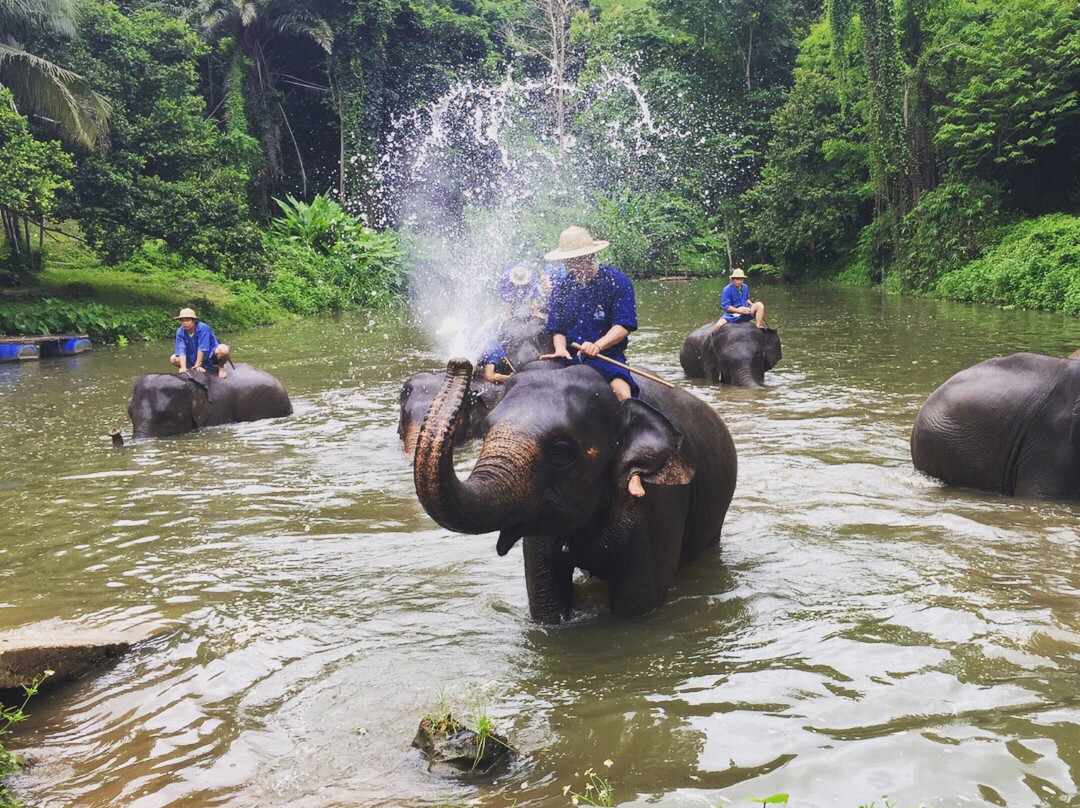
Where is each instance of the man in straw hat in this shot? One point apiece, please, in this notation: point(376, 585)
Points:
point(594, 306)
point(735, 302)
point(518, 290)
point(197, 348)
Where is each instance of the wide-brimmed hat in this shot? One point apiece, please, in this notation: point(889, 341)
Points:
point(519, 275)
point(575, 242)
point(186, 314)
point(738, 273)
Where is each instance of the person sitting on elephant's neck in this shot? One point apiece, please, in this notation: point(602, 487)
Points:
point(736, 305)
point(519, 292)
point(197, 348)
point(593, 306)
point(494, 365)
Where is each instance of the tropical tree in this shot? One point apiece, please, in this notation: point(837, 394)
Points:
point(253, 38)
point(41, 86)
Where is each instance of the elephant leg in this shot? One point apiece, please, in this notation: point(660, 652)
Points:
point(549, 579)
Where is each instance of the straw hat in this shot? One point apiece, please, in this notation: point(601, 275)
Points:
point(574, 242)
point(186, 314)
point(738, 273)
point(520, 275)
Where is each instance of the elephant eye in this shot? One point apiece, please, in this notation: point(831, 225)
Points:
point(562, 453)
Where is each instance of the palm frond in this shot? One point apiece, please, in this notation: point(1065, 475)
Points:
point(55, 93)
point(310, 26)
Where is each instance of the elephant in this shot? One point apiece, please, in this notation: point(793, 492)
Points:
point(524, 339)
point(1009, 425)
point(557, 468)
point(164, 404)
point(417, 393)
point(736, 354)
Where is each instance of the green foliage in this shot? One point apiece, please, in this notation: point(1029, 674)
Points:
point(169, 174)
point(650, 232)
point(321, 225)
point(1036, 265)
point(772, 799)
point(1007, 76)
point(32, 173)
point(10, 716)
point(951, 226)
point(814, 192)
point(365, 269)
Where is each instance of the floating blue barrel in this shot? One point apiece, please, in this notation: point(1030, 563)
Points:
point(74, 345)
point(15, 351)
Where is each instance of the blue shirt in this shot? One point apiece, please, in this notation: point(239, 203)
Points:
point(190, 344)
point(733, 296)
point(493, 354)
point(585, 312)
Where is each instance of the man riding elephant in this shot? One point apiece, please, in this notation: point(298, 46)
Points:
point(197, 348)
point(736, 305)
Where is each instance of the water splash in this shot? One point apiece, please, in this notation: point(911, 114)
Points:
point(479, 178)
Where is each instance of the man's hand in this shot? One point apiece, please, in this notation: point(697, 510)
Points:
point(558, 353)
point(589, 349)
point(199, 368)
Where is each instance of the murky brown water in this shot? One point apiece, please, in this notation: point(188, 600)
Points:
point(861, 632)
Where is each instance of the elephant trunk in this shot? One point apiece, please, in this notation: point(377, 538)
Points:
point(489, 499)
point(743, 375)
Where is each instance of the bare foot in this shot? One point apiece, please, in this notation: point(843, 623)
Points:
point(635, 487)
point(221, 374)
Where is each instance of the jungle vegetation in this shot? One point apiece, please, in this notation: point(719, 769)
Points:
point(233, 146)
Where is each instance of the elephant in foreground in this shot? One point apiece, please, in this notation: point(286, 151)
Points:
point(164, 404)
point(1009, 425)
point(736, 354)
point(555, 470)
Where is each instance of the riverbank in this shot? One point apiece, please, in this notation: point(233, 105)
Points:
point(137, 299)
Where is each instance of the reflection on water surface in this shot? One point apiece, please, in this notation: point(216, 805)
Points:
point(860, 632)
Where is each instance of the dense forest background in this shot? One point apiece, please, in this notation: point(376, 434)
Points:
point(305, 155)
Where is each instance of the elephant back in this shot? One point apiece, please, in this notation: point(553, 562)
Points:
point(692, 355)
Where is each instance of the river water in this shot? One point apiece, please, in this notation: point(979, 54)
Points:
point(861, 632)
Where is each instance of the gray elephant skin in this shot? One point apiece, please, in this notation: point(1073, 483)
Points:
point(164, 404)
point(738, 354)
point(1009, 425)
point(554, 469)
point(524, 339)
point(419, 390)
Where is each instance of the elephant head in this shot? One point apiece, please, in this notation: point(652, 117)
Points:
point(742, 353)
point(525, 339)
point(165, 404)
point(554, 468)
point(417, 393)
point(736, 353)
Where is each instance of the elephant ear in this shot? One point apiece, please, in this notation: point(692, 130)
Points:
point(651, 446)
point(772, 348)
point(200, 400)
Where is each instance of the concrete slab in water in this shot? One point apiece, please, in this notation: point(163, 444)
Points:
point(68, 652)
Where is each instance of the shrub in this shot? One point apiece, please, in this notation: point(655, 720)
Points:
point(952, 225)
point(1036, 265)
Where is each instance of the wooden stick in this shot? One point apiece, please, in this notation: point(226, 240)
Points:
point(642, 373)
